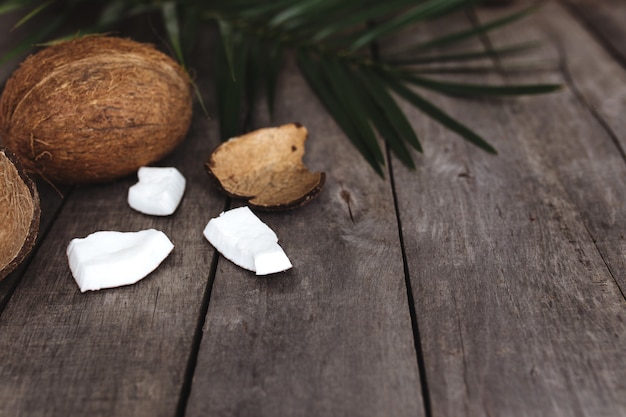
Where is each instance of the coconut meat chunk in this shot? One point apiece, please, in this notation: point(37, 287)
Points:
point(158, 191)
point(108, 259)
point(245, 240)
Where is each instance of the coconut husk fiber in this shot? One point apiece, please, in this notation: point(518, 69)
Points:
point(19, 213)
point(94, 109)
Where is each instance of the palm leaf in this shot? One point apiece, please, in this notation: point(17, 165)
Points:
point(331, 40)
point(463, 89)
point(45, 31)
point(381, 119)
point(295, 11)
point(463, 35)
point(272, 57)
point(320, 85)
point(348, 95)
point(387, 106)
point(11, 5)
point(34, 12)
point(172, 27)
point(423, 11)
point(229, 86)
point(355, 17)
point(464, 56)
point(439, 115)
point(509, 69)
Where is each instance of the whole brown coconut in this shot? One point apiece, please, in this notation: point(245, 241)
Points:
point(94, 109)
point(19, 213)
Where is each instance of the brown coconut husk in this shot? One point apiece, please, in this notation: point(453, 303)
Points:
point(265, 167)
point(94, 109)
point(19, 211)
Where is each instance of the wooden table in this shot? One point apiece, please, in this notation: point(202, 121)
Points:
point(476, 285)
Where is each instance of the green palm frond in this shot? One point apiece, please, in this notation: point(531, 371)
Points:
point(334, 43)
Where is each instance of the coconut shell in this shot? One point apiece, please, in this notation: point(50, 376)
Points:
point(19, 211)
point(265, 167)
point(94, 109)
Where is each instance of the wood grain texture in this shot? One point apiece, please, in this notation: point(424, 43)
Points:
point(516, 263)
point(598, 82)
point(117, 352)
point(591, 170)
point(518, 312)
point(332, 336)
point(604, 19)
point(595, 58)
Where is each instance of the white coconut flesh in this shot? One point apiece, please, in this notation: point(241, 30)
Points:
point(108, 259)
point(158, 191)
point(245, 240)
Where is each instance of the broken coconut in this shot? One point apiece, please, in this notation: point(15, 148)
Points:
point(94, 109)
point(265, 167)
point(108, 259)
point(158, 191)
point(19, 211)
point(246, 241)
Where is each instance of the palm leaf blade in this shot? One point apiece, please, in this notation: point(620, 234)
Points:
point(440, 116)
point(375, 85)
point(46, 30)
point(465, 56)
point(421, 12)
point(463, 35)
point(32, 14)
point(172, 27)
point(373, 109)
point(479, 89)
point(227, 38)
point(357, 17)
point(349, 96)
point(12, 5)
point(389, 133)
point(229, 89)
point(274, 64)
point(319, 85)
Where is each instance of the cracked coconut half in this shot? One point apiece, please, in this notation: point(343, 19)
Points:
point(19, 211)
point(265, 167)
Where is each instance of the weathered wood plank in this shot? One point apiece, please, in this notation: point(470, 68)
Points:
point(599, 83)
point(595, 64)
point(518, 312)
point(606, 20)
point(591, 174)
point(115, 352)
point(333, 335)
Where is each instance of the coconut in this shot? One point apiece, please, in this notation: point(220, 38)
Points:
point(265, 167)
point(19, 211)
point(94, 109)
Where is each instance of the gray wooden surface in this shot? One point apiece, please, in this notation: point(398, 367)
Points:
point(476, 285)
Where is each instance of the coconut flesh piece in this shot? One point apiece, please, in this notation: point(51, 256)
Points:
point(108, 259)
point(245, 240)
point(158, 191)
